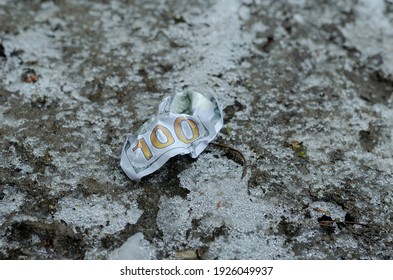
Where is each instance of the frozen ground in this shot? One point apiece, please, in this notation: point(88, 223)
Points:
point(306, 88)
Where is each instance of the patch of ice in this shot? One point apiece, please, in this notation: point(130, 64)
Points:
point(12, 201)
point(214, 49)
point(98, 213)
point(135, 248)
point(218, 198)
point(372, 32)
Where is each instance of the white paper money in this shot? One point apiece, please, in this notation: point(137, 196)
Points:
point(185, 124)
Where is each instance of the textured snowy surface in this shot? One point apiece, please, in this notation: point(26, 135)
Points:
point(306, 88)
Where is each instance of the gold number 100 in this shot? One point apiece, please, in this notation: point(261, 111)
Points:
point(159, 144)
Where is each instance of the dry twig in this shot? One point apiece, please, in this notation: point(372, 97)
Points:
point(220, 145)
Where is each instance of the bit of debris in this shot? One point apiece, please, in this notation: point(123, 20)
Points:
point(299, 148)
point(324, 211)
point(29, 76)
point(187, 255)
point(330, 224)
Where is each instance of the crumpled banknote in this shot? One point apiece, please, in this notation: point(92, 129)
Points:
point(185, 124)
